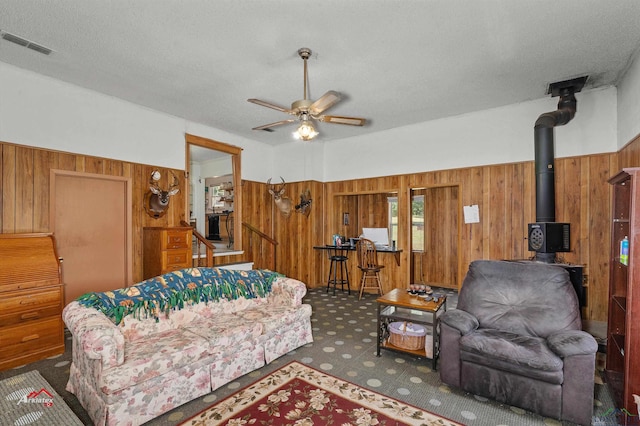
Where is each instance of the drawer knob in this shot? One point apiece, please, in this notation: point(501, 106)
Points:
point(30, 315)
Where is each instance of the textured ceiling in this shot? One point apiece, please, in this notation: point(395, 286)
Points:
point(397, 62)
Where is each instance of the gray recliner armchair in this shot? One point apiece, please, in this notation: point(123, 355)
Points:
point(516, 337)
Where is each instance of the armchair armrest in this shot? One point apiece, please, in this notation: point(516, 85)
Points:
point(460, 320)
point(95, 334)
point(572, 342)
point(578, 352)
point(455, 324)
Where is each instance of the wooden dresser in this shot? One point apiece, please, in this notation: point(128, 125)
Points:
point(31, 299)
point(166, 250)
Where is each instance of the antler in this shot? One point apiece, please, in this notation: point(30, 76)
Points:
point(174, 188)
point(153, 184)
point(272, 188)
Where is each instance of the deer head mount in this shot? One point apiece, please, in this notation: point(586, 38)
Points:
point(156, 200)
point(305, 203)
point(282, 201)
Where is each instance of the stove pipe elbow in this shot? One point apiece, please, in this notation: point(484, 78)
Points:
point(565, 112)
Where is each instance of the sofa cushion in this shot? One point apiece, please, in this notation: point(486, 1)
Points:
point(274, 317)
point(142, 328)
point(525, 355)
point(224, 332)
point(153, 357)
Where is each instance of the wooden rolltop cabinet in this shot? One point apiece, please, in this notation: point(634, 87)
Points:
point(31, 299)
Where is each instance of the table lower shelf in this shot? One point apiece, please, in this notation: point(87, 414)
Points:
point(417, 352)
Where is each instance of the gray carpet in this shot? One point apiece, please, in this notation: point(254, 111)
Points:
point(27, 399)
point(344, 330)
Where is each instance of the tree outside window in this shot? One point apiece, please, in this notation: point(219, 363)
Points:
point(417, 223)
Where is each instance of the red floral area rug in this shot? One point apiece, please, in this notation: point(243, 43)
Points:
point(300, 395)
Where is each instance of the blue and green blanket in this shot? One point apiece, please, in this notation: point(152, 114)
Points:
point(173, 290)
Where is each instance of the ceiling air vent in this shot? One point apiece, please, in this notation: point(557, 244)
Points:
point(25, 43)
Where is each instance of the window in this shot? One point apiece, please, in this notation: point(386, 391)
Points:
point(217, 196)
point(417, 223)
point(393, 218)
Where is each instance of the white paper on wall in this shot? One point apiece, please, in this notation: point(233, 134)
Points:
point(471, 214)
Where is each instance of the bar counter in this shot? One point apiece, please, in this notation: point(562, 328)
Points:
point(395, 251)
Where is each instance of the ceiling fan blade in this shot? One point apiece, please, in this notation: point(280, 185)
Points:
point(270, 105)
point(325, 102)
point(277, 123)
point(338, 119)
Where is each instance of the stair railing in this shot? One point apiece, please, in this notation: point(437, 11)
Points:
point(259, 248)
point(199, 258)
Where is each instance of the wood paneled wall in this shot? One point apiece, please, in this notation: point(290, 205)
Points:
point(629, 155)
point(296, 235)
point(437, 263)
point(24, 186)
point(504, 193)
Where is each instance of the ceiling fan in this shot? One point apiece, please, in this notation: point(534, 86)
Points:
point(306, 110)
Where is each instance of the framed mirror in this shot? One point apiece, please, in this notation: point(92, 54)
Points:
point(214, 200)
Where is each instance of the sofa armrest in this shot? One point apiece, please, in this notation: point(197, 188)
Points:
point(572, 342)
point(95, 334)
point(287, 291)
point(460, 320)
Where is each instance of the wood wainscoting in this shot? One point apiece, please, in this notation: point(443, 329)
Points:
point(505, 195)
point(25, 180)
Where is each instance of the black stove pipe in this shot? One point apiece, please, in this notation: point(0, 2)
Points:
point(545, 154)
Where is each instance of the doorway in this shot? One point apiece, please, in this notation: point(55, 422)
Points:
point(435, 236)
point(205, 158)
point(91, 220)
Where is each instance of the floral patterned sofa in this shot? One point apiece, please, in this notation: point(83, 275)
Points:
point(144, 350)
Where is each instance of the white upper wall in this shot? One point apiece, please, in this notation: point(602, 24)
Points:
point(39, 111)
point(629, 104)
point(495, 136)
point(299, 161)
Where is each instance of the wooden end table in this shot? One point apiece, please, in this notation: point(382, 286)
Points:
point(400, 305)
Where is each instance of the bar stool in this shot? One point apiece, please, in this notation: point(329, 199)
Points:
point(338, 271)
point(368, 264)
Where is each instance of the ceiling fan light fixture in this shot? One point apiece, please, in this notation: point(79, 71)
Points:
point(306, 131)
point(305, 110)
